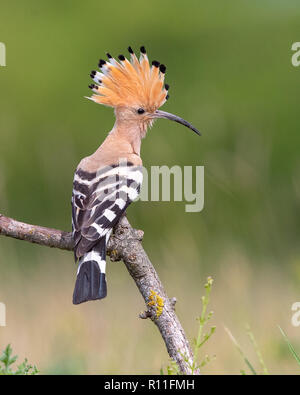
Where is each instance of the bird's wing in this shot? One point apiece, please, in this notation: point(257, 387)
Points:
point(99, 200)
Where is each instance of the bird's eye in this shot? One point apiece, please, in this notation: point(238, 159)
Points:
point(140, 111)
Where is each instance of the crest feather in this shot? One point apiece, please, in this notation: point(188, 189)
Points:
point(130, 83)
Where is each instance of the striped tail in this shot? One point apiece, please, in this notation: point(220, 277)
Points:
point(91, 281)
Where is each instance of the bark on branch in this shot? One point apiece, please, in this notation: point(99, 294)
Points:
point(124, 244)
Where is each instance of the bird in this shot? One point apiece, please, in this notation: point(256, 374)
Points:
point(108, 181)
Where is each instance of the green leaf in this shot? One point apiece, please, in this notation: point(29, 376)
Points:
point(7, 360)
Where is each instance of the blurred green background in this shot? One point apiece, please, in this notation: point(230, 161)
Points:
point(230, 72)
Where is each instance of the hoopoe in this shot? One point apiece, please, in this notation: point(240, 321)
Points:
point(106, 182)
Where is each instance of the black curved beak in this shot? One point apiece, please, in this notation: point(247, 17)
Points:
point(172, 117)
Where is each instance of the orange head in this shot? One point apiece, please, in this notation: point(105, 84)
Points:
point(134, 88)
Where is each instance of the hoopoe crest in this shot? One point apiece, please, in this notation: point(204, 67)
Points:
point(130, 83)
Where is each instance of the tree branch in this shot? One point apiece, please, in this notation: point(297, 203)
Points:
point(124, 244)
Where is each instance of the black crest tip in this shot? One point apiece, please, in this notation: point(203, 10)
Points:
point(130, 50)
point(101, 62)
point(93, 73)
point(109, 55)
point(92, 86)
point(167, 86)
point(121, 57)
point(155, 63)
point(167, 97)
point(162, 68)
point(143, 50)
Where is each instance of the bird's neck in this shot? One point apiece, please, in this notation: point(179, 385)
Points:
point(130, 133)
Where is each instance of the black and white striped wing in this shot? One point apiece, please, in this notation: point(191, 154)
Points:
point(99, 200)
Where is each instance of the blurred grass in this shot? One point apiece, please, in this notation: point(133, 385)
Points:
point(229, 68)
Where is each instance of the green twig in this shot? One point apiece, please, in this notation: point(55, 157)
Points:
point(233, 339)
point(257, 350)
point(292, 350)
